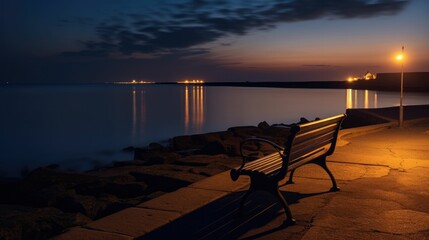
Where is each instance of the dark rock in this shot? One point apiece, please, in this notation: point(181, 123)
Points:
point(226, 135)
point(182, 142)
point(245, 132)
point(189, 163)
point(115, 207)
point(44, 186)
point(160, 183)
point(277, 131)
point(90, 206)
point(69, 203)
point(232, 146)
point(263, 125)
point(129, 163)
point(120, 190)
point(155, 147)
point(126, 190)
point(128, 149)
point(198, 141)
point(155, 157)
point(214, 148)
point(18, 222)
point(7, 190)
point(303, 120)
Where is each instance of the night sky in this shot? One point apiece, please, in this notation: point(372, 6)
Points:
point(84, 41)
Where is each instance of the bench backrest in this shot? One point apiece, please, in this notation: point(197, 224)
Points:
point(311, 140)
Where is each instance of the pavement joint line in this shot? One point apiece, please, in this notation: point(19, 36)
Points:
point(99, 230)
point(160, 209)
point(395, 155)
point(317, 178)
point(365, 164)
point(211, 189)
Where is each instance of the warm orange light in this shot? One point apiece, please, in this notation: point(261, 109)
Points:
point(399, 57)
point(194, 81)
point(350, 79)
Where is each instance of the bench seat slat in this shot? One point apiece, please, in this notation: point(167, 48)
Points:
point(262, 161)
point(323, 122)
point(273, 160)
point(269, 168)
point(305, 136)
point(302, 152)
point(267, 171)
point(274, 169)
point(303, 159)
point(322, 138)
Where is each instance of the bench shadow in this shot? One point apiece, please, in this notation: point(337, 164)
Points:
point(220, 219)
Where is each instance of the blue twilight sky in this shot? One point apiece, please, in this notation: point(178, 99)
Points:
point(58, 41)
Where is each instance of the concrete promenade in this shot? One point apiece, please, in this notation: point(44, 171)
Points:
point(382, 170)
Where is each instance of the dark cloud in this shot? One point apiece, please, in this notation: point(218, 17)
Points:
point(181, 27)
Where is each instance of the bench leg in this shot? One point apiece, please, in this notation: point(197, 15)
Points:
point(322, 163)
point(289, 219)
point(290, 181)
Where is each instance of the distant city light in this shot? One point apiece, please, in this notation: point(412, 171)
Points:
point(194, 81)
point(135, 82)
point(366, 76)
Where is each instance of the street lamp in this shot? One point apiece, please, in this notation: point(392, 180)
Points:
point(401, 107)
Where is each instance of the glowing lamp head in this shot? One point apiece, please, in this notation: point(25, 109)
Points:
point(399, 57)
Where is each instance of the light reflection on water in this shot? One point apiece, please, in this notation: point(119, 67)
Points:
point(194, 110)
point(361, 99)
point(79, 126)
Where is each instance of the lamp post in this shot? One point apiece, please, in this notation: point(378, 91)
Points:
point(401, 107)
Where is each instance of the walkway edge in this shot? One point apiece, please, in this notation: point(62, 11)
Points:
point(346, 134)
point(135, 222)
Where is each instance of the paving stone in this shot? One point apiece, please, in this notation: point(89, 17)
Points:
point(375, 157)
point(409, 163)
point(222, 182)
point(134, 221)
point(335, 233)
point(402, 221)
point(342, 171)
point(89, 234)
point(184, 200)
point(305, 185)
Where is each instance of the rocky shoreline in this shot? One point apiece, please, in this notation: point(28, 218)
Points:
point(49, 200)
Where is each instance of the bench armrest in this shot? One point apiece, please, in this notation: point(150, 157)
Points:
point(277, 147)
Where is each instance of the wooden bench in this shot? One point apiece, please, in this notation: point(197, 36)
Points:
point(307, 143)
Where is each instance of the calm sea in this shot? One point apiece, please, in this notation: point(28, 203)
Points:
point(80, 127)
